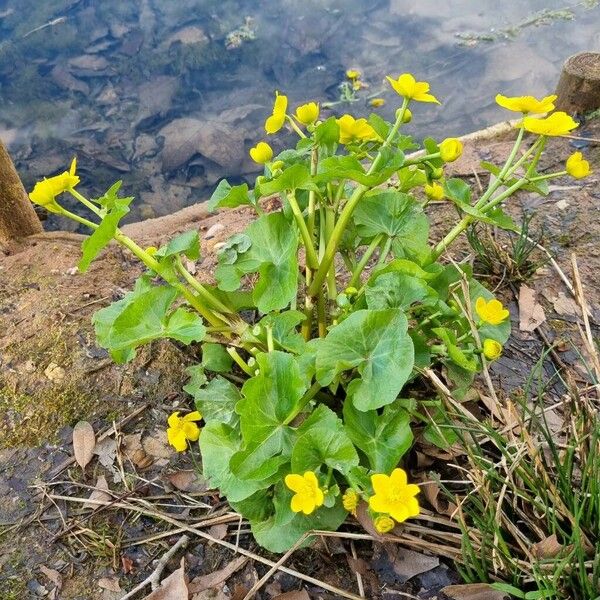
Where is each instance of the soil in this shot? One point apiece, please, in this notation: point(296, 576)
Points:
point(52, 374)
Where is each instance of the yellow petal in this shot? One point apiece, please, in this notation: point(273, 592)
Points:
point(412, 489)
point(295, 482)
point(193, 416)
point(177, 439)
point(399, 478)
point(379, 503)
point(191, 431)
point(297, 503)
point(400, 512)
point(380, 483)
point(412, 507)
point(174, 419)
point(319, 497)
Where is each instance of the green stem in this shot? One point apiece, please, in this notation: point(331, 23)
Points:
point(364, 260)
point(548, 176)
point(385, 250)
point(77, 218)
point(321, 314)
point(314, 165)
point(311, 254)
point(420, 159)
point(348, 210)
point(329, 227)
point(239, 361)
point(314, 389)
point(295, 127)
point(85, 202)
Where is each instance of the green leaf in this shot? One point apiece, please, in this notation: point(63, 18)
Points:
point(111, 200)
point(143, 316)
point(396, 290)
point(457, 190)
point(454, 352)
point(409, 178)
point(509, 589)
point(296, 177)
point(258, 507)
point(216, 358)
point(187, 243)
point(377, 344)
point(226, 196)
point(270, 401)
point(398, 216)
point(271, 254)
point(327, 135)
point(218, 442)
point(196, 381)
point(217, 400)
point(384, 438)
point(101, 237)
point(322, 440)
point(440, 432)
point(284, 328)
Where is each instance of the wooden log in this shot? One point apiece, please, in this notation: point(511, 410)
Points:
point(578, 89)
point(17, 216)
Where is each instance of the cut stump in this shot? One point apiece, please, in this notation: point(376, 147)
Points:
point(17, 216)
point(578, 89)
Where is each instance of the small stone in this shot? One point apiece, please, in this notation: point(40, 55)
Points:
point(55, 373)
point(213, 230)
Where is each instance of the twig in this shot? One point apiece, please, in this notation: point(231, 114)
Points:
point(359, 581)
point(154, 578)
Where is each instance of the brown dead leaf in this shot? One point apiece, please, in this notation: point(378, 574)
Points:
point(294, 595)
point(218, 531)
point(156, 445)
point(187, 481)
point(408, 563)
point(548, 547)
point(365, 519)
point(565, 305)
point(99, 493)
point(109, 583)
point(174, 587)
point(215, 579)
point(127, 564)
point(531, 313)
point(473, 591)
point(53, 575)
point(84, 442)
point(431, 490)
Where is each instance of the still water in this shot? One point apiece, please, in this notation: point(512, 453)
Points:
point(169, 95)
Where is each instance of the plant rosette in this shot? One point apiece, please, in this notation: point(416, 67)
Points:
point(328, 311)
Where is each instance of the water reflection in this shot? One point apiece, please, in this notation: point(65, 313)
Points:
point(169, 96)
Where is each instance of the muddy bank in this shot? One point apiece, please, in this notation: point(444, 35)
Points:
point(52, 374)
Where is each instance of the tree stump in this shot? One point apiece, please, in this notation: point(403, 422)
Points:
point(578, 89)
point(17, 217)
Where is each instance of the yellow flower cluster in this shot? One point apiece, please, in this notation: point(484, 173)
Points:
point(45, 192)
point(492, 312)
point(183, 429)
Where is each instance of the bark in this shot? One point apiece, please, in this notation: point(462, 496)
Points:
point(578, 89)
point(17, 216)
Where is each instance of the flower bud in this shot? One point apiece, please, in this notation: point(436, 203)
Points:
point(308, 113)
point(492, 349)
point(261, 153)
point(437, 172)
point(434, 191)
point(407, 115)
point(384, 524)
point(451, 149)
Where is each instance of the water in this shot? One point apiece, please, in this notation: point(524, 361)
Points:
point(170, 95)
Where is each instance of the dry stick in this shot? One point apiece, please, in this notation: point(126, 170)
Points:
point(252, 591)
point(359, 581)
point(154, 578)
point(588, 338)
point(207, 536)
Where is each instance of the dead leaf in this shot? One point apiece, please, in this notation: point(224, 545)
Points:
point(174, 587)
point(408, 563)
point(132, 448)
point(565, 305)
point(109, 583)
point(84, 442)
point(53, 575)
point(127, 564)
point(211, 595)
point(294, 595)
point(218, 531)
point(99, 493)
point(431, 490)
point(212, 580)
point(473, 591)
point(531, 313)
point(365, 519)
point(156, 445)
point(106, 450)
point(548, 547)
point(187, 481)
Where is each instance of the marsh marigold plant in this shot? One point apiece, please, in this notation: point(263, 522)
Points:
point(325, 313)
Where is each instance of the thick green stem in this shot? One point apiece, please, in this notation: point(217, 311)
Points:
point(329, 227)
point(314, 389)
point(85, 201)
point(239, 361)
point(77, 218)
point(311, 254)
point(364, 260)
point(348, 210)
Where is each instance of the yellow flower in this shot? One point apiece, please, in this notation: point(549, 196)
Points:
point(275, 122)
point(44, 192)
point(182, 429)
point(491, 312)
point(350, 500)
point(308, 495)
point(384, 524)
point(434, 191)
point(357, 84)
point(307, 113)
point(450, 149)
point(558, 123)
point(406, 85)
point(352, 74)
point(577, 167)
point(376, 102)
point(394, 496)
point(261, 153)
point(526, 104)
point(352, 130)
point(492, 349)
